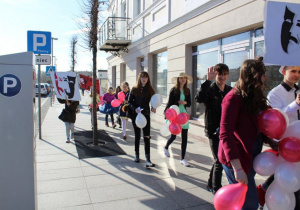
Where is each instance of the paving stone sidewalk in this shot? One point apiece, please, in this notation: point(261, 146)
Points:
point(117, 182)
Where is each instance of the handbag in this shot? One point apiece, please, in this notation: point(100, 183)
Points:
point(63, 115)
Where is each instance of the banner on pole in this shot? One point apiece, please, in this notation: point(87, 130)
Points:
point(65, 85)
point(86, 83)
point(282, 33)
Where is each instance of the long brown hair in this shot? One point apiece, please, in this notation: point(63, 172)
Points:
point(186, 90)
point(149, 89)
point(250, 85)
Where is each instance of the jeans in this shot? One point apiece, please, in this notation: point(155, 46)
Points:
point(184, 133)
point(251, 200)
point(69, 128)
point(215, 176)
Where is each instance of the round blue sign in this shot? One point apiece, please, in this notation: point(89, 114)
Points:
point(10, 85)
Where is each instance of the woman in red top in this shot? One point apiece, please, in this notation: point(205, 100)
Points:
point(239, 134)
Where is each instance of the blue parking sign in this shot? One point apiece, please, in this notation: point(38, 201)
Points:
point(48, 69)
point(39, 42)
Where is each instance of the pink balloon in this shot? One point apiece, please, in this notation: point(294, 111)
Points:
point(175, 128)
point(171, 114)
point(272, 123)
point(182, 118)
point(289, 149)
point(230, 197)
point(116, 102)
point(121, 96)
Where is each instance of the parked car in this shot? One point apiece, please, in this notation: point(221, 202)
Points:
point(43, 89)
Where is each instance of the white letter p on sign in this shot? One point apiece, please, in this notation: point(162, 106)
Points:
point(6, 85)
point(38, 44)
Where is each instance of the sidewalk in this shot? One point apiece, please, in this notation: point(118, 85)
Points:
point(117, 182)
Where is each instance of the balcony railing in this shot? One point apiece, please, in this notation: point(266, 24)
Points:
point(115, 34)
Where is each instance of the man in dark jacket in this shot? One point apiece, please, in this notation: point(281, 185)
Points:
point(211, 95)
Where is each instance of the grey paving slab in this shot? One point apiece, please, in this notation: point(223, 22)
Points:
point(59, 174)
point(145, 202)
point(81, 207)
point(192, 197)
point(60, 185)
point(126, 177)
point(125, 191)
point(58, 157)
point(208, 206)
point(58, 165)
point(63, 199)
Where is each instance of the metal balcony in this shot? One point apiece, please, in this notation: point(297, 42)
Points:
point(115, 34)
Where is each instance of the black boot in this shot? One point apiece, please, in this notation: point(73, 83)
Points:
point(148, 161)
point(137, 158)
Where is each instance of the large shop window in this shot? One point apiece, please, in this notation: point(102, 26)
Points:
point(232, 51)
point(160, 64)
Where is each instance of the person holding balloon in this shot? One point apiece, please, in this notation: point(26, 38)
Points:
point(180, 96)
point(107, 99)
point(211, 95)
point(138, 102)
point(239, 133)
point(118, 90)
point(124, 107)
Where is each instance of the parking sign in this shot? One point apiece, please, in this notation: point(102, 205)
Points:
point(39, 42)
point(10, 85)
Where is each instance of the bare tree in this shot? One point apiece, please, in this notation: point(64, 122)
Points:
point(74, 41)
point(90, 32)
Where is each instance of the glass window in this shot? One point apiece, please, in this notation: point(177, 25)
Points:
point(234, 61)
point(259, 32)
point(142, 64)
point(207, 46)
point(259, 49)
point(201, 64)
point(236, 38)
point(161, 71)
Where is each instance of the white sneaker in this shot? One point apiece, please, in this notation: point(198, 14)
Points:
point(185, 163)
point(167, 154)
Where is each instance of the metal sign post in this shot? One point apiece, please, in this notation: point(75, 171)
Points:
point(39, 42)
point(39, 99)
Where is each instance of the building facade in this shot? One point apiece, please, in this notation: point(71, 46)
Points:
point(173, 36)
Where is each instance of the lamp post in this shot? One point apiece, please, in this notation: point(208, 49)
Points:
point(52, 38)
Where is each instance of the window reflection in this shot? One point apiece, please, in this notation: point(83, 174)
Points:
point(161, 73)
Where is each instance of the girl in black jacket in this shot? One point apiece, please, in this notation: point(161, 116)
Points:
point(70, 107)
point(180, 96)
point(139, 97)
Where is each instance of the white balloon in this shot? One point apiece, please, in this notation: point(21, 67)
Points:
point(265, 163)
point(277, 199)
point(156, 100)
point(293, 130)
point(176, 108)
point(265, 207)
point(88, 100)
point(287, 176)
point(140, 120)
point(164, 129)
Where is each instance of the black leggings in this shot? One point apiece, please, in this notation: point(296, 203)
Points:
point(137, 133)
point(112, 118)
point(184, 134)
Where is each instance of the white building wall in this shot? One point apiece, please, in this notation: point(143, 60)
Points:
point(190, 26)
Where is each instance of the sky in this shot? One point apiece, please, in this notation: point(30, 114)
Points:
point(60, 17)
